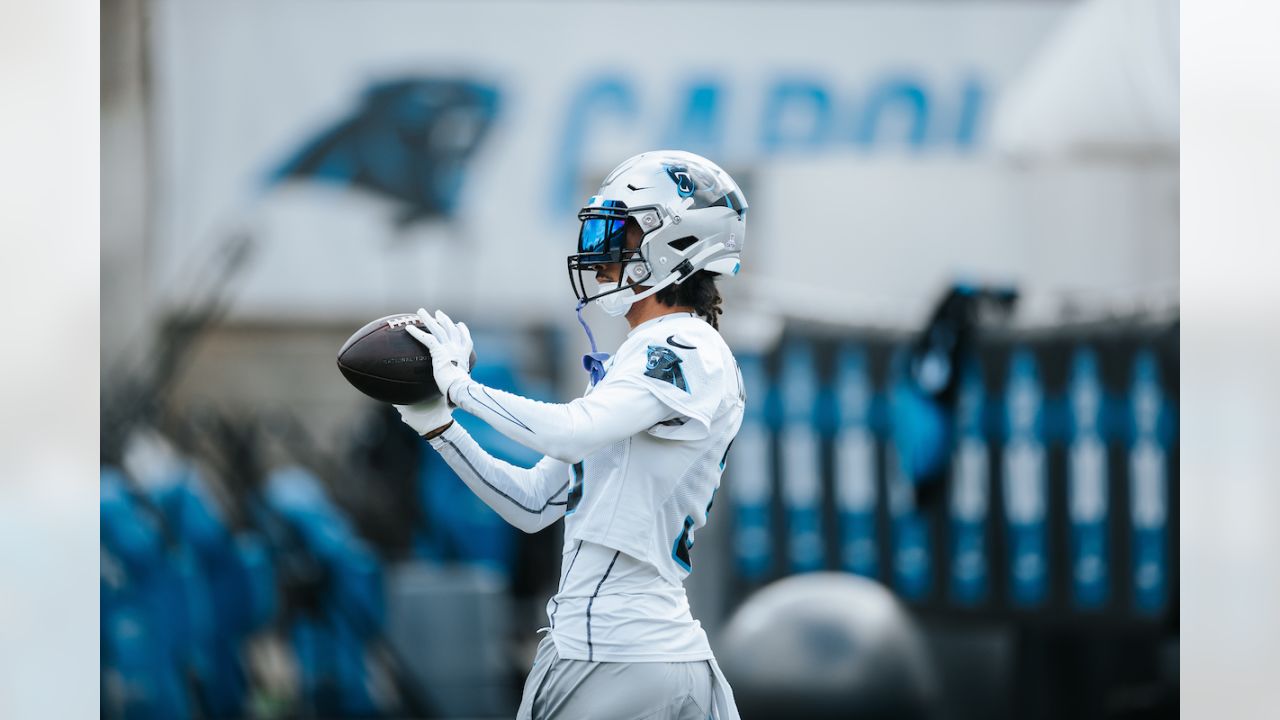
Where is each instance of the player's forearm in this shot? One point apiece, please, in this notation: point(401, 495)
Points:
point(527, 498)
point(569, 431)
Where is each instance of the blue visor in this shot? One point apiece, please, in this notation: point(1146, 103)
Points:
point(604, 225)
point(601, 235)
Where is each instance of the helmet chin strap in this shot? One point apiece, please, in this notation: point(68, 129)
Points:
point(672, 277)
point(668, 280)
point(593, 362)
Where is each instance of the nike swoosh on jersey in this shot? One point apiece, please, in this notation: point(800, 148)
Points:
point(671, 340)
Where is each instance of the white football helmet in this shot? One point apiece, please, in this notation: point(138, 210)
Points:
point(692, 213)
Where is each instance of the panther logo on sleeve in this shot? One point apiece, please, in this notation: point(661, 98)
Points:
point(664, 364)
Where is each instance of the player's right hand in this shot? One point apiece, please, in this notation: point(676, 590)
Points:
point(450, 346)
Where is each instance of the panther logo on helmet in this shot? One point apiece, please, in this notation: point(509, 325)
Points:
point(684, 181)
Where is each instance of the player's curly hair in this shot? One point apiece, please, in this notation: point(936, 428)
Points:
point(698, 292)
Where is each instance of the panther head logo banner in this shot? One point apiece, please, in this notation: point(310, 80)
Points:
point(409, 140)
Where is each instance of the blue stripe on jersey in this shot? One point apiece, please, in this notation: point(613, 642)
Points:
point(680, 550)
point(575, 492)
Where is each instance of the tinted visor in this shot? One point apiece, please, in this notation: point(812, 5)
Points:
point(602, 237)
point(604, 230)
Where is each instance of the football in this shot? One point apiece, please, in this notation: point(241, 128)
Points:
point(383, 361)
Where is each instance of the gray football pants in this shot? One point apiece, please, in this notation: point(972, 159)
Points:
point(559, 689)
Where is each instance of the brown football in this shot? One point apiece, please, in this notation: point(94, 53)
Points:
point(383, 361)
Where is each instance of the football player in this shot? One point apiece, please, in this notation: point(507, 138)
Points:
point(632, 466)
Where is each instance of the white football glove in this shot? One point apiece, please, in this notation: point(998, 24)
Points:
point(427, 416)
point(450, 346)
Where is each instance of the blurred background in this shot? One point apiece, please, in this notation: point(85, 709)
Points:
point(955, 494)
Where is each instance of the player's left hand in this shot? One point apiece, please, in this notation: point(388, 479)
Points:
point(450, 346)
point(428, 416)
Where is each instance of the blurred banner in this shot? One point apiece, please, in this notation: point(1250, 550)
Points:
point(387, 153)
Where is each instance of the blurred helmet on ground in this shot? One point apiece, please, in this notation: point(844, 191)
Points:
point(828, 645)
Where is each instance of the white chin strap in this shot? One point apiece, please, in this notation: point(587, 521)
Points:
point(668, 280)
point(696, 261)
point(615, 304)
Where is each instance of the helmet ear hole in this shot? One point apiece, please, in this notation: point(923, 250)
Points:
point(683, 243)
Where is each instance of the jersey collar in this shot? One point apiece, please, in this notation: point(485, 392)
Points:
point(657, 320)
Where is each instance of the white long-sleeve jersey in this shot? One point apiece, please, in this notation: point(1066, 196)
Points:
point(632, 466)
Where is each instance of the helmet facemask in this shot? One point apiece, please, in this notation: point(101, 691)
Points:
point(602, 240)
